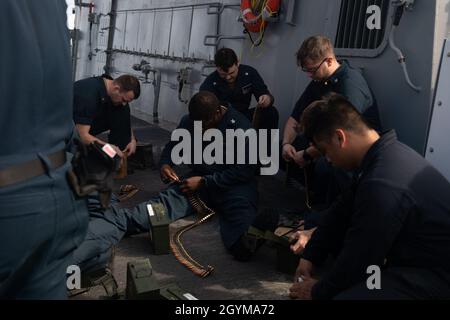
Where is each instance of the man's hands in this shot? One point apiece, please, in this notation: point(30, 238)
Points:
point(118, 151)
point(299, 159)
point(302, 289)
point(191, 184)
point(130, 148)
point(302, 238)
point(264, 101)
point(168, 174)
point(288, 152)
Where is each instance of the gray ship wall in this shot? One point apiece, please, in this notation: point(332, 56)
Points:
point(170, 32)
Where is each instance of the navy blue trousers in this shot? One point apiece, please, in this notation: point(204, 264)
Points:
point(41, 224)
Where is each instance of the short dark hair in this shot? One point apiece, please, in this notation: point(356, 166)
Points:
point(314, 48)
point(203, 106)
point(129, 83)
point(225, 58)
point(321, 118)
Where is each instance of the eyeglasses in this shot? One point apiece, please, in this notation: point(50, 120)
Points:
point(314, 70)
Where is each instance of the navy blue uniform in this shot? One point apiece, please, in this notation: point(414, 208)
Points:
point(230, 189)
point(328, 182)
point(348, 82)
point(40, 222)
point(248, 83)
point(396, 216)
point(92, 106)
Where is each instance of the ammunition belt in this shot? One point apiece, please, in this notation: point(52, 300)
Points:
point(176, 245)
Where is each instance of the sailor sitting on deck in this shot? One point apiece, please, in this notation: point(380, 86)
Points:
point(390, 232)
point(317, 60)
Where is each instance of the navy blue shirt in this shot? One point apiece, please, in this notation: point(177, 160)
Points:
point(92, 106)
point(248, 83)
point(218, 175)
point(397, 213)
point(348, 82)
point(35, 80)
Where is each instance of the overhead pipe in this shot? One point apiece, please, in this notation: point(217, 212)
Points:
point(218, 38)
point(79, 3)
point(211, 4)
point(163, 56)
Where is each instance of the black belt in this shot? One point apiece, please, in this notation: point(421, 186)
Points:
point(30, 169)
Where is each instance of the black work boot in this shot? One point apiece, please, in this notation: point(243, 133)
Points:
point(243, 249)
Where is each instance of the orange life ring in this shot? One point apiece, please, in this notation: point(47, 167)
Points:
point(255, 22)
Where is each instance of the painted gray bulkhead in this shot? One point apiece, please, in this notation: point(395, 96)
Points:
point(177, 29)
